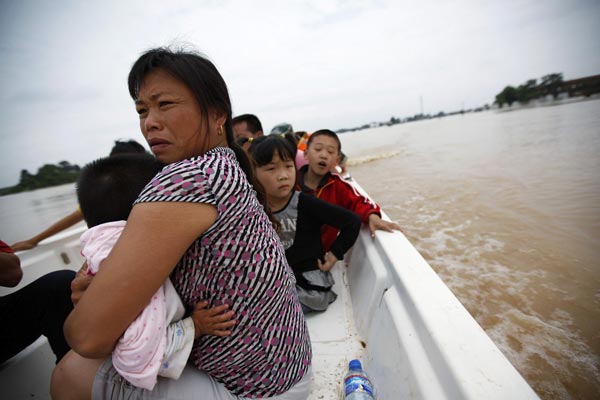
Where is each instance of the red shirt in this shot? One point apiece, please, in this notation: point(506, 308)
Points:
point(4, 248)
point(334, 189)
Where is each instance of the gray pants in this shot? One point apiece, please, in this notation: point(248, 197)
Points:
point(192, 384)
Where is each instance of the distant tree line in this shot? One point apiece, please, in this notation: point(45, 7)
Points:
point(417, 117)
point(549, 85)
point(48, 175)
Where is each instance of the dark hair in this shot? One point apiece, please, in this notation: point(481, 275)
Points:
point(206, 83)
point(263, 148)
point(299, 135)
point(130, 146)
point(108, 186)
point(325, 132)
point(251, 120)
point(289, 136)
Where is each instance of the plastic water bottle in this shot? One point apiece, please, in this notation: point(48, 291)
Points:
point(357, 385)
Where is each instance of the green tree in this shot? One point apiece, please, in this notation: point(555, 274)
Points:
point(527, 91)
point(506, 96)
point(48, 175)
point(551, 84)
point(26, 178)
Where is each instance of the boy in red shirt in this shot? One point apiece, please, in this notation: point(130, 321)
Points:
point(323, 151)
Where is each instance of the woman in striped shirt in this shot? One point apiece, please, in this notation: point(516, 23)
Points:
point(199, 222)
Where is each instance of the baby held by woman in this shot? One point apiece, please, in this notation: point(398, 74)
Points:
point(159, 341)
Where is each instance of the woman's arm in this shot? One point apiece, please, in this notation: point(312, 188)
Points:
point(154, 239)
point(53, 229)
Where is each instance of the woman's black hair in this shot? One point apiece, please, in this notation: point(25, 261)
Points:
point(206, 83)
point(263, 148)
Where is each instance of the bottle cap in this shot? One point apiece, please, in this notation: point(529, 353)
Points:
point(354, 364)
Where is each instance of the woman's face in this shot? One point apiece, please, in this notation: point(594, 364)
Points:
point(277, 178)
point(171, 121)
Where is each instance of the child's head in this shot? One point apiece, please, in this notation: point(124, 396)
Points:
point(129, 146)
point(299, 135)
point(322, 151)
point(274, 158)
point(282, 128)
point(265, 148)
point(107, 187)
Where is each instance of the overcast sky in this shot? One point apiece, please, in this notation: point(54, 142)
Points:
point(315, 64)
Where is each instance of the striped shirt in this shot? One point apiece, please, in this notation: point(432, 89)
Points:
point(239, 260)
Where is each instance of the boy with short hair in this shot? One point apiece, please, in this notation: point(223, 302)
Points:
point(323, 151)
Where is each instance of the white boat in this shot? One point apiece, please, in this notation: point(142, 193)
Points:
point(413, 336)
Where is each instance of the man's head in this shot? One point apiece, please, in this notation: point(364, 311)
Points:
point(246, 126)
point(323, 151)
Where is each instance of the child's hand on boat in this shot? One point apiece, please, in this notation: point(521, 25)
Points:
point(375, 223)
point(215, 321)
point(330, 261)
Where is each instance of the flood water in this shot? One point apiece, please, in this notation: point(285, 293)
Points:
point(505, 206)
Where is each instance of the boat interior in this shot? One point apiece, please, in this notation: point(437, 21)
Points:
point(412, 335)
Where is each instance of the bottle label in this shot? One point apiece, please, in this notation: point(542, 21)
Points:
point(357, 383)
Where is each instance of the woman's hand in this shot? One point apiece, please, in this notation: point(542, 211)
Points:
point(330, 261)
point(375, 223)
point(80, 283)
point(215, 321)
